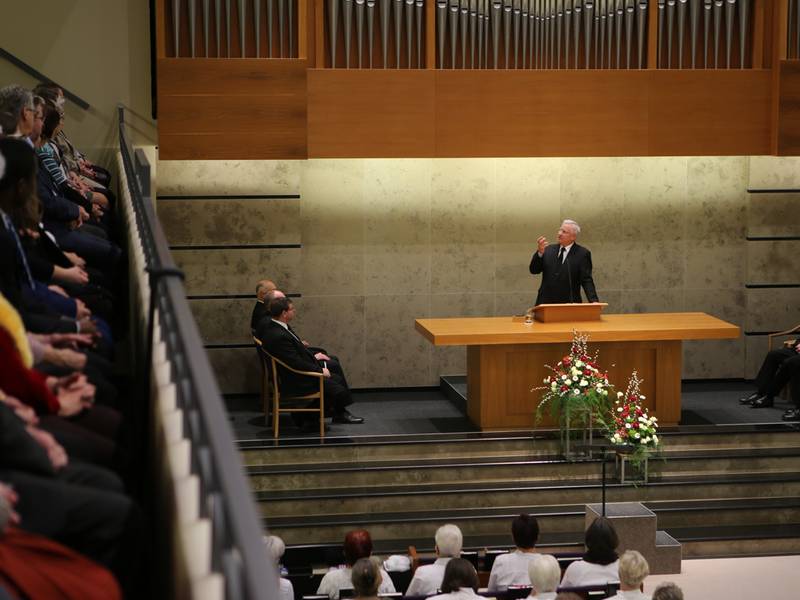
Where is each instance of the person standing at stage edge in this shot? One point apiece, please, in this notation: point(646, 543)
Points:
point(565, 268)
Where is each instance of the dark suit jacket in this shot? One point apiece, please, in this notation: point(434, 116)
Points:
point(562, 283)
point(259, 312)
point(286, 347)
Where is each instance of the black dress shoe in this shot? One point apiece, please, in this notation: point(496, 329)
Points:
point(793, 414)
point(762, 402)
point(347, 418)
point(749, 399)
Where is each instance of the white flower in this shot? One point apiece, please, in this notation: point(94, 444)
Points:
point(578, 363)
point(564, 377)
point(574, 371)
point(636, 435)
point(576, 392)
point(619, 409)
point(584, 383)
point(655, 438)
point(553, 386)
point(619, 394)
point(627, 425)
point(642, 396)
point(646, 439)
point(605, 392)
point(574, 378)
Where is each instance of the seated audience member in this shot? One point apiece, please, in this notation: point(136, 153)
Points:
point(366, 578)
point(428, 578)
point(275, 550)
point(600, 564)
point(357, 544)
point(780, 367)
point(37, 568)
point(667, 591)
point(16, 104)
point(545, 575)
point(260, 309)
point(633, 570)
point(568, 596)
point(280, 340)
point(512, 568)
point(460, 581)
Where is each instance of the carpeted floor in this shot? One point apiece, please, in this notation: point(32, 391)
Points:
point(430, 411)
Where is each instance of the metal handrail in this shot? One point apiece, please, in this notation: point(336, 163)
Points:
point(36, 74)
point(227, 501)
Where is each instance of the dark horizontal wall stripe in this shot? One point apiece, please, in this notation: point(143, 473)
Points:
point(772, 238)
point(230, 197)
point(759, 333)
point(232, 296)
point(239, 247)
point(784, 191)
point(760, 286)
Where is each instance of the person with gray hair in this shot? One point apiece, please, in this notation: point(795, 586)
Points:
point(275, 549)
point(545, 575)
point(428, 578)
point(633, 570)
point(667, 591)
point(565, 268)
point(17, 102)
point(366, 577)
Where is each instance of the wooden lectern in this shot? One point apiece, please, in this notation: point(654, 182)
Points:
point(563, 313)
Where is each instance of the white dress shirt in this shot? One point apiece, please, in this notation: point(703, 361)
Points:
point(630, 595)
point(544, 596)
point(428, 579)
point(341, 579)
point(459, 594)
point(286, 589)
point(585, 573)
point(511, 569)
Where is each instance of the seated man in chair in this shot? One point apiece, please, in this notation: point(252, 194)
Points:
point(780, 367)
point(280, 340)
point(260, 311)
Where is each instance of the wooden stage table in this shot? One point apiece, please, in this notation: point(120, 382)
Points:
point(506, 358)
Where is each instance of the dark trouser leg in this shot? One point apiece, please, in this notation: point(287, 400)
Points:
point(769, 369)
point(788, 372)
point(337, 394)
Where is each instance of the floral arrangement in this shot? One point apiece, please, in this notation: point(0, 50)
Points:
point(631, 426)
point(577, 391)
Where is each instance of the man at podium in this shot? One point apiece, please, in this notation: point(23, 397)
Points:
point(565, 268)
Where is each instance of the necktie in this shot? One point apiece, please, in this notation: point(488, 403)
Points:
point(561, 256)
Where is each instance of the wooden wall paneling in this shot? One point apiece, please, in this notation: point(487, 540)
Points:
point(541, 113)
point(788, 101)
point(757, 46)
point(232, 109)
point(370, 113)
point(779, 33)
point(709, 112)
point(320, 49)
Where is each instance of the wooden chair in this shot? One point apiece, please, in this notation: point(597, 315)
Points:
point(266, 387)
point(785, 392)
point(269, 369)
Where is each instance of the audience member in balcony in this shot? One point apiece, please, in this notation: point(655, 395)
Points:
point(280, 340)
point(780, 366)
point(545, 575)
point(366, 578)
point(600, 563)
point(568, 596)
point(512, 568)
point(275, 549)
point(260, 310)
point(16, 103)
point(460, 581)
point(75, 160)
point(357, 544)
point(633, 570)
point(667, 591)
point(428, 578)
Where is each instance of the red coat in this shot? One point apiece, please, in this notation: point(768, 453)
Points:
point(32, 566)
point(26, 385)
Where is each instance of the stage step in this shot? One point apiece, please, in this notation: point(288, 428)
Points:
point(402, 488)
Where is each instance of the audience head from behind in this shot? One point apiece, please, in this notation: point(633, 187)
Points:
point(18, 197)
point(357, 544)
point(545, 575)
point(448, 541)
point(52, 121)
point(272, 295)
point(633, 570)
point(264, 286)
point(667, 591)
point(17, 102)
point(366, 577)
point(568, 596)
point(52, 93)
point(525, 531)
point(601, 542)
point(281, 309)
point(459, 573)
point(275, 548)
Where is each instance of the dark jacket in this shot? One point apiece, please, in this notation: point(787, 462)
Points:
point(561, 283)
